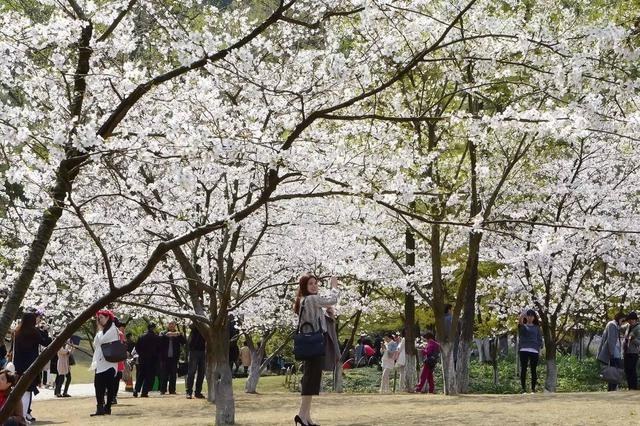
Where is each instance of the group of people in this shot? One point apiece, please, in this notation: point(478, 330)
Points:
point(620, 347)
point(155, 355)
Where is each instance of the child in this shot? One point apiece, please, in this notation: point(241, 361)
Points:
point(7, 382)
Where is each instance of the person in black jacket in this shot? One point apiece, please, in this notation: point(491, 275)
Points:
point(171, 344)
point(26, 342)
point(148, 350)
point(196, 362)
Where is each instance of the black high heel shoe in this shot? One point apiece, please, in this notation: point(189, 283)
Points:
point(298, 420)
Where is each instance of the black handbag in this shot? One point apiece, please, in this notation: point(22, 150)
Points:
point(612, 374)
point(308, 345)
point(115, 351)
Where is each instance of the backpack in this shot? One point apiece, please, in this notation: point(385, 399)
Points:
point(432, 359)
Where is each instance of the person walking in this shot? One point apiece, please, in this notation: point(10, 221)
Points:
point(197, 347)
point(105, 371)
point(63, 367)
point(245, 357)
point(26, 342)
point(430, 354)
point(631, 348)
point(148, 349)
point(388, 350)
point(610, 349)
point(308, 305)
point(529, 346)
point(171, 344)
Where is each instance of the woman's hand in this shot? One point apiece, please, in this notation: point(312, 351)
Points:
point(334, 282)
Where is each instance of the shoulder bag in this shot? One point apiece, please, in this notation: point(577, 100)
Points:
point(115, 351)
point(308, 345)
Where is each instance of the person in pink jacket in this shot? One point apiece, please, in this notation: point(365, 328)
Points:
point(430, 354)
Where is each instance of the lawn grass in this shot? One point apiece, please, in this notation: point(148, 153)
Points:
point(595, 408)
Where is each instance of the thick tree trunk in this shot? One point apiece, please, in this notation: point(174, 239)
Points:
point(255, 369)
point(210, 375)
point(551, 379)
point(462, 368)
point(448, 368)
point(411, 373)
point(221, 375)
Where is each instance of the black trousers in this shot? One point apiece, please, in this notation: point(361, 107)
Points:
point(196, 364)
point(168, 374)
point(60, 378)
point(116, 385)
point(103, 383)
point(145, 376)
point(530, 358)
point(630, 370)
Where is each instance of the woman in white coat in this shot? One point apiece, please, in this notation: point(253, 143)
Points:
point(105, 371)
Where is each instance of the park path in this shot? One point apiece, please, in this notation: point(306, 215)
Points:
point(77, 390)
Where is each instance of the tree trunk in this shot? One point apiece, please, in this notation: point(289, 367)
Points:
point(219, 377)
point(462, 367)
point(210, 375)
point(551, 380)
point(338, 380)
point(448, 368)
point(411, 373)
point(255, 369)
point(468, 319)
point(410, 320)
point(66, 173)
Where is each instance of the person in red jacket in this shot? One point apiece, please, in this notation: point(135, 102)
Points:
point(430, 354)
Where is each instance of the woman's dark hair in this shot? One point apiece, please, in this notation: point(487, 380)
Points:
point(447, 308)
point(429, 335)
point(619, 316)
point(533, 314)
point(389, 335)
point(26, 331)
point(107, 325)
point(303, 291)
point(12, 379)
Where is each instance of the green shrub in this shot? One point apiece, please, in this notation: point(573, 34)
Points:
point(573, 376)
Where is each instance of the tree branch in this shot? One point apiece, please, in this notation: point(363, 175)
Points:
point(97, 242)
point(116, 21)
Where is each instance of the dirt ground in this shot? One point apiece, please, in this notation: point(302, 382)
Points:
point(363, 410)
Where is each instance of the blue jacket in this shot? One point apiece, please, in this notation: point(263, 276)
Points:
point(530, 337)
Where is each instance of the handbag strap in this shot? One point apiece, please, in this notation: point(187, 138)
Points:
point(300, 318)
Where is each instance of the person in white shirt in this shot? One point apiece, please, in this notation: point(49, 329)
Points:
point(105, 371)
point(389, 350)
